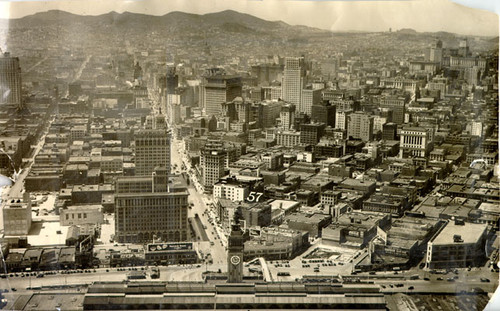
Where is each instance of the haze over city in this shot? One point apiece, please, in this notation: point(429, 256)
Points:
point(248, 155)
point(421, 15)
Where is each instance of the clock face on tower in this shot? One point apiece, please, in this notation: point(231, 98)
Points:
point(235, 260)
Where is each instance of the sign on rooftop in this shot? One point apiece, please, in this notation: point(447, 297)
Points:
point(162, 247)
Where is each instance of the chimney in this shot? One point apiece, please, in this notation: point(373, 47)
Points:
point(26, 197)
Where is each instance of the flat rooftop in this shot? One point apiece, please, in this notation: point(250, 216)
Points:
point(469, 232)
point(45, 233)
point(50, 301)
point(489, 208)
point(283, 204)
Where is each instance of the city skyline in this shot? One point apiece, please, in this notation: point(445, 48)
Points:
point(336, 16)
point(232, 161)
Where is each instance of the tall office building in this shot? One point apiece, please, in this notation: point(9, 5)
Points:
point(293, 80)
point(172, 99)
point(311, 133)
point(309, 98)
point(10, 80)
point(266, 113)
point(267, 73)
point(138, 73)
point(324, 112)
point(475, 128)
point(463, 48)
point(172, 79)
point(415, 142)
point(435, 52)
point(218, 88)
point(213, 165)
point(389, 131)
point(360, 126)
point(439, 83)
point(287, 116)
point(17, 215)
point(397, 103)
point(151, 207)
point(152, 146)
point(237, 111)
point(342, 119)
point(273, 92)
point(242, 108)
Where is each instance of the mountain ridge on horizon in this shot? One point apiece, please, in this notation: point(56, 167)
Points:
point(221, 16)
point(55, 16)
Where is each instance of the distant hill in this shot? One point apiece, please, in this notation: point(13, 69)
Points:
point(407, 31)
point(189, 33)
point(228, 20)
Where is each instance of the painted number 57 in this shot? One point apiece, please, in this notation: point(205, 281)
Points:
point(254, 196)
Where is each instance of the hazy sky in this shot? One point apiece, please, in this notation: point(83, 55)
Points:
point(421, 15)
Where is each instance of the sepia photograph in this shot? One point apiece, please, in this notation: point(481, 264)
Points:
point(249, 155)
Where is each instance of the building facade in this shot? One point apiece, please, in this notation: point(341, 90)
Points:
point(81, 214)
point(457, 245)
point(151, 207)
point(152, 146)
point(360, 126)
point(415, 142)
point(170, 253)
point(10, 79)
point(311, 133)
point(17, 216)
point(293, 80)
point(287, 116)
point(309, 98)
point(342, 119)
point(233, 192)
point(288, 138)
point(213, 164)
point(219, 88)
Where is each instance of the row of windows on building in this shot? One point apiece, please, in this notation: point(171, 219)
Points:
point(79, 216)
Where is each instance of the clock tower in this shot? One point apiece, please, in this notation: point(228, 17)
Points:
point(235, 252)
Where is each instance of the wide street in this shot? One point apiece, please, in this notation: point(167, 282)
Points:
point(389, 283)
point(199, 200)
point(16, 190)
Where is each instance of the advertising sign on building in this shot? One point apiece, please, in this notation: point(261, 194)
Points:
point(162, 247)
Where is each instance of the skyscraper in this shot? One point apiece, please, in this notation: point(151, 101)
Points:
point(213, 163)
point(151, 207)
point(267, 73)
point(309, 98)
point(172, 79)
point(324, 112)
point(293, 80)
point(242, 110)
point(342, 118)
point(152, 146)
point(172, 99)
point(218, 88)
point(463, 48)
point(311, 133)
point(360, 126)
point(435, 52)
point(287, 116)
point(138, 73)
point(397, 103)
point(10, 80)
